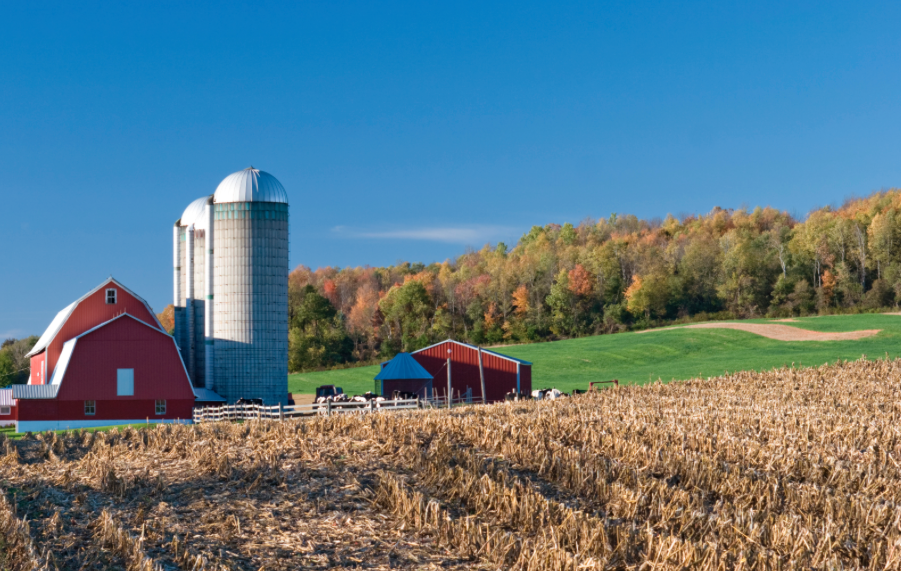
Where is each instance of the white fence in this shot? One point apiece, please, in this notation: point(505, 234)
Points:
point(258, 412)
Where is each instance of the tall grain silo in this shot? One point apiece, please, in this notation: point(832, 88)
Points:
point(231, 288)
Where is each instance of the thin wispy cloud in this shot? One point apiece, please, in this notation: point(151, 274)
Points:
point(468, 235)
point(11, 334)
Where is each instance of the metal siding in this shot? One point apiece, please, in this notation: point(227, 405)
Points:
point(250, 303)
point(125, 344)
point(91, 312)
point(500, 373)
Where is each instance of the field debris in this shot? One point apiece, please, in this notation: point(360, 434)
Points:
point(785, 469)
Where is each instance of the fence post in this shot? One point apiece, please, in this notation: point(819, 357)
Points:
point(371, 406)
point(281, 412)
point(328, 408)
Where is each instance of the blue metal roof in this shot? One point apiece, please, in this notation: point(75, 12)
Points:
point(403, 366)
point(206, 395)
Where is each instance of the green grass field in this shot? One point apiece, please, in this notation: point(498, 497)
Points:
point(11, 433)
point(668, 354)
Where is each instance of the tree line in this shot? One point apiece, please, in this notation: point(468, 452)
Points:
point(14, 365)
point(605, 276)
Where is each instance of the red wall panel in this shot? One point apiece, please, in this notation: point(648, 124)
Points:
point(125, 344)
point(54, 409)
point(91, 312)
point(500, 374)
point(37, 371)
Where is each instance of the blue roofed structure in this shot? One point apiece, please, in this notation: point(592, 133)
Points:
point(402, 376)
point(403, 366)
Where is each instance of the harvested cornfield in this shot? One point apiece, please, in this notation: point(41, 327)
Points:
point(788, 469)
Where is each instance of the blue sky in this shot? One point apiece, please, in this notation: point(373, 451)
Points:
point(411, 131)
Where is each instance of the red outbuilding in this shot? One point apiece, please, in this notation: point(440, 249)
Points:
point(7, 408)
point(104, 360)
point(502, 373)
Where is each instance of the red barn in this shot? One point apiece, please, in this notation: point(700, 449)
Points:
point(7, 408)
point(502, 373)
point(105, 359)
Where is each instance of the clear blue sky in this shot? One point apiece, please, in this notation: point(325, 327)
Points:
point(411, 131)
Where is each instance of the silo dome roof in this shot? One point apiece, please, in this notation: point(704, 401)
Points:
point(194, 214)
point(250, 185)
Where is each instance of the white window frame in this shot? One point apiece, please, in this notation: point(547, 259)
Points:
point(115, 296)
point(90, 405)
point(125, 382)
point(160, 404)
point(5, 410)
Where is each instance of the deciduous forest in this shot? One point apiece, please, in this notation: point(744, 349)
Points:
point(605, 276)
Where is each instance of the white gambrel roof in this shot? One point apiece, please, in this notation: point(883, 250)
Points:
point(63, 315)
point(250, 185)
point(194, 214)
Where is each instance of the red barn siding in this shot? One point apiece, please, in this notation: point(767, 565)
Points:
point(7, 419)
point(91, 312)
point(37, 370)
point(500, 373)
point(125, 344)
point(109, 409)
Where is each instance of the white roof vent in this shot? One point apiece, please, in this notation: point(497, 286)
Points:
point(250, 185)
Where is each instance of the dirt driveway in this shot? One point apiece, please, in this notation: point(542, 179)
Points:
point(786, 332)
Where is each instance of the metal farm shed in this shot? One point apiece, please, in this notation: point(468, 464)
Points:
point(403, 373)
point(502, 373)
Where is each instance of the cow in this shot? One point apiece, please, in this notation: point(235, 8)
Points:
point(547, 394)
point(514, 396)
point(539, 394)
point(404, 395)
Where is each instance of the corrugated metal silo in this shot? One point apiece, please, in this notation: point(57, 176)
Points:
point(239, 348)
point(250, 287)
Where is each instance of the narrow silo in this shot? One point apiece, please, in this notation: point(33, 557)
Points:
point(191, 254)
point(250, 288)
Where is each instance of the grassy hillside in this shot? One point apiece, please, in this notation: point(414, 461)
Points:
point(667, 354)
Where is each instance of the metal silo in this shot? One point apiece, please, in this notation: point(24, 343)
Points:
point(239, 345)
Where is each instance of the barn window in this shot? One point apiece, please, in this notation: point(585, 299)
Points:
point(90, 407)
point(125, 382)
point(111, 296)
point(4, 410)
point(161, 407)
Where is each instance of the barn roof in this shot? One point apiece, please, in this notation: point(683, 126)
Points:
point(403, 366)
point(507, 357)
point(6, 397)
point(63, 316)
point(35, 391)
point(206, 395)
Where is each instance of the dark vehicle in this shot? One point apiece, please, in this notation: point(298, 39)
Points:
point(328, 391)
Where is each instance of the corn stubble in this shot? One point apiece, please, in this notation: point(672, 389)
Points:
point(787, 469)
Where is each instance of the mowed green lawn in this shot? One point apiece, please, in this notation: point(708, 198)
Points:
point(667, 354)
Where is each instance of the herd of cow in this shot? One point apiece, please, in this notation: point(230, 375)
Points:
point(365, 397)
point(337, 400)
point(540, 394)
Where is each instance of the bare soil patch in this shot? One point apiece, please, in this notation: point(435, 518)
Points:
point(788, 333)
